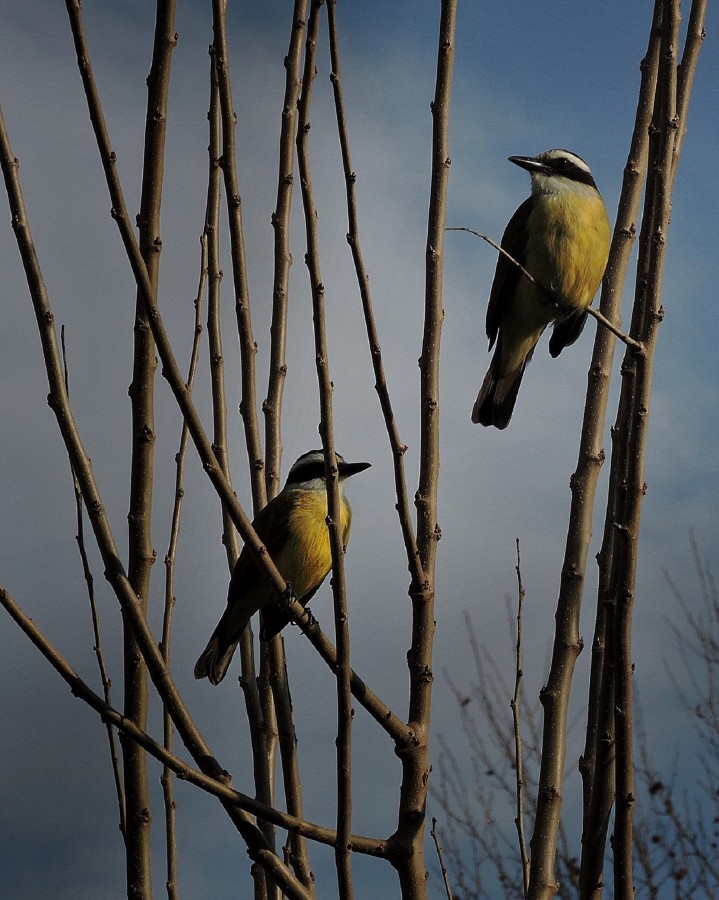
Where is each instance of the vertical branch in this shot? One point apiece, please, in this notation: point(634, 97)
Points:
point(248, 347)
point(170, 599)
point(141, 553)
point(634, 408)
point(214, 326)
point(685, 73)
point(398, 448)
point(515, 703)
point(597, 763)
point(297, 853)
point(262, 764)
point(272, 406)
point(258, 696)
point(339, 592)
point(555, 696)
point(273, 657)
point(90, 582)
point(409, 836)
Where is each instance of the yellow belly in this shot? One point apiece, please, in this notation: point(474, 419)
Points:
point(567, 253)
point(306, 558)
point(568, 246)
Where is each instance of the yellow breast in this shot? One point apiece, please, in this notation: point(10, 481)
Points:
point(568, 245)
point(306, 558)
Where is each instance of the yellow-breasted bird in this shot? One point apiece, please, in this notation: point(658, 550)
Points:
point(293, 527)
point(560, 235)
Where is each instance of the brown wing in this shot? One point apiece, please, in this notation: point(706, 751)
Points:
point(271, 525)
point(514, 241)
point(246, 593)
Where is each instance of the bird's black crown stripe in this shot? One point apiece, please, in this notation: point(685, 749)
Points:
point(306, 471)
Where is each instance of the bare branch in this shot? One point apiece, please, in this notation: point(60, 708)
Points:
point(141, 553)
point(248, 347)
point(97, 648)
point(273, 664)
point(518, 753)
point(398, 447)
point(633, 415)
point(272, 406)
point(445, 875)
point(296, 852)
point(334, 518)
point(170, 599)
point(409, 836)
point(597, 762)
point(583, 486)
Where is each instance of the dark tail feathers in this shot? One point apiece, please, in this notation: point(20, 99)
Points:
point(495, 402)
point(215, 660)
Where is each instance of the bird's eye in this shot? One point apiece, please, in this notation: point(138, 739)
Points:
point(562, 163)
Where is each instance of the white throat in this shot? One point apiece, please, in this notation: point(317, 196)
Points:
point(556, 184)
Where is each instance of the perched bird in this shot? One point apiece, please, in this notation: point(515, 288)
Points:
point(560, 235)
point(293, 527)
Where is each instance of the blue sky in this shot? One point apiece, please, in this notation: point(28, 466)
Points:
point(528, 77)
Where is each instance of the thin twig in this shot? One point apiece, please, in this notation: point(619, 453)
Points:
point(296, 852)
point(398, 447)
point(272, 407)
point(595, 313)
point(248, 347)
point(277, 705)
point(411, 823)
point(261, 758)
point(97, 647)
point(443, 868)
point(685, 73)
point(518, 752)
point(170, 599)
point(141, 553)
point(343, 856)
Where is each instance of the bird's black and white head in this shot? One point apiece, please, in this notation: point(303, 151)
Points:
point(556, 171)
point(308, 472)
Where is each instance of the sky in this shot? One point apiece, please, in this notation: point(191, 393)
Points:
point(528, 77)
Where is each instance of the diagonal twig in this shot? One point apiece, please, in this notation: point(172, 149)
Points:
point(595, 313)
point(398, 447)
point(97, 648)
point(219, 788)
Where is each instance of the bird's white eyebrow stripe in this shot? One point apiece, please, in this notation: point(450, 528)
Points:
point(567, 154)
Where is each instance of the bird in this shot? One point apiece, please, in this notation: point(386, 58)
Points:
point(560, 235)
point(293, 527)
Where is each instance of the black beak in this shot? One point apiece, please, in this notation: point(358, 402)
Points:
point(346, 469)
point(530, 163)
